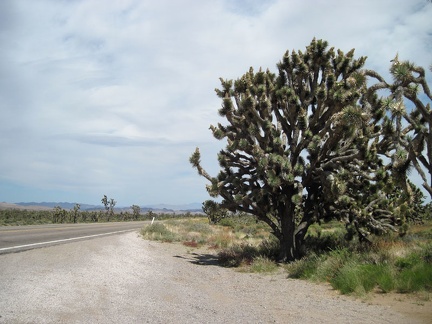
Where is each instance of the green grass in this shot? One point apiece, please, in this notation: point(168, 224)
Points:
point(304, 268)
point(415, 278)
point(358, 277)
point(355, 277)
point(262, 265)
point(390, 265)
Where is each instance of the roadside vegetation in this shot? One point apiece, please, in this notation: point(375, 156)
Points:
point(12, 217)
point(390, 263)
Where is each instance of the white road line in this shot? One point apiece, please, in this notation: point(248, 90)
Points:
point(64, 240)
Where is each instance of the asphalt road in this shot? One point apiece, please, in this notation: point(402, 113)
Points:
point(20, 238)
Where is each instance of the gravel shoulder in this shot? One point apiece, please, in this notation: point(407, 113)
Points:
point(125, 279)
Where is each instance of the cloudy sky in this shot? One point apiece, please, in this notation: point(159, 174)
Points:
point(112, 97)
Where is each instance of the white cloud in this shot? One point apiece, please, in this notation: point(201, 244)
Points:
point(111, 97)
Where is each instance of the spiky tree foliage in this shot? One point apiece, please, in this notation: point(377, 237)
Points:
point(411, 207)
point(409, 125)
point(300, 147)
point(59, 215)
point(105, 202)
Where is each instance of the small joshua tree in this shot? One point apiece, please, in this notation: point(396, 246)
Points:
point(136, 210)
point(59, 215)
point(105, 202)
point(109, 206)
point(75, 213)
point(213, 211)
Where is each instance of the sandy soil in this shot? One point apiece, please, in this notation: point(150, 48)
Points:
point(125, 279)
point(412, 306)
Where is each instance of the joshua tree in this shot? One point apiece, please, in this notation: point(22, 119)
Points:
point(136, 210)
point(112, 204)
point(213, 211)
point(75, 212)
point(302, 147)
point(109, 206)
point(105, 202)
point(59, 215)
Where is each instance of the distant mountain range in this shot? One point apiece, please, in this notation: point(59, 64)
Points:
point(193, 207)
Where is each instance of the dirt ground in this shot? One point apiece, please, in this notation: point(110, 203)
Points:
point(413, 306)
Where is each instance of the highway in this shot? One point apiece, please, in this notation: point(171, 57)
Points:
point(20, 238)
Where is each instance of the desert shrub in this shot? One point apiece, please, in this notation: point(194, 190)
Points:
point(228, 222)
point(408, 261)
point(329, 264)
point(243, 223)
point(381, 252)
point(426, 253)
point(354, 278)
point(318, 267)
point(221, 240)
point(269, 248)
point(346, 271)
point(415, 277)
point(414, 267)
point(399, 267)
point(262, 265)
point(193, 239)
point(198, 227)
point(315, 230)
point(385, 277)
point(304, 268)
point(159, 232)
point(323, 241)
point(237, 255)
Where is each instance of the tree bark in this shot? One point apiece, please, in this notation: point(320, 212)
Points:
point(289, 247)
point(291, 238)
point(288, 250)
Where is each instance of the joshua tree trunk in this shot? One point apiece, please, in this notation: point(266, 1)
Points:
point(291, 240)
point(289, 251)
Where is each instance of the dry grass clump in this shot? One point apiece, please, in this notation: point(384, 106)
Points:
point(197, 232)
